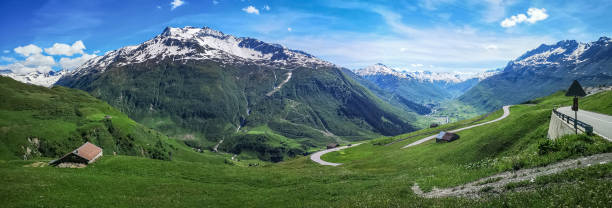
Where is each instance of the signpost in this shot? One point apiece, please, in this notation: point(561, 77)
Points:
point(575, 90)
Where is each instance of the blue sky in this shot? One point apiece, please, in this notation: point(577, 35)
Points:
point(435, 35)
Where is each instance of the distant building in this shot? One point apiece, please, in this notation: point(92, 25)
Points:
point(332, 145)
point(107, 117)
point(85, 154)
point(433, 125)
point(446, 137)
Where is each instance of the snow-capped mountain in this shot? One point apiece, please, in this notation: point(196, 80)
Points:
point(208, 83)
point(424, 76)
point(191, 43)
point(451, 77)
point(415, 89)
point(564, 52)
point(545, 70)
point(379, 69)
point(36, 78)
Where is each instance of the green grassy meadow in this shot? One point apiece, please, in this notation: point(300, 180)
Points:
point(372, 175)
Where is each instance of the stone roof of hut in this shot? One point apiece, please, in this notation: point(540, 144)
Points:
point(88, 151)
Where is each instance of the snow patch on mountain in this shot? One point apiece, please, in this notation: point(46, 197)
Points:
point(424, 76)
point(561, 53)
point(379, 69)
point(37, 78)
point(190, 43)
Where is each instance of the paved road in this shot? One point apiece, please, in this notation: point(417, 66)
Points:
point(602, 124)
point(317, 155)
point(506, 114)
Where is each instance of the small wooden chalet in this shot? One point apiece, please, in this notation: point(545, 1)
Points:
point(446, 137)
point(433, 125)
point(85, 154)
point(332, 145)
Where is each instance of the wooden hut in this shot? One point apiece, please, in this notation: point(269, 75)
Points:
point(85, 154)
point(433, 125)
point(446, 137)
point(332, 145)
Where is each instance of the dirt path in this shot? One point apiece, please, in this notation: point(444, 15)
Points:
point(498, 181)
point(289, 74)
point(316, 157)
point(506, 114)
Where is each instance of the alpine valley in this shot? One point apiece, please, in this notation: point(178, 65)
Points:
point(327, 103)
point(244, 96)
point(237, 95)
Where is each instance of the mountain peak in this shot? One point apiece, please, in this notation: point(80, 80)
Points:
point(379, 69)
point(566, 51)
point(192, 43)
point(191, 32)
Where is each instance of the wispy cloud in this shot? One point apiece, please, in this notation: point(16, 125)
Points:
point(446, 47)
point(533, 15)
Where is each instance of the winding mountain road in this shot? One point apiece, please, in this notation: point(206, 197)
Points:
point(602, 124)
point(506, 114)
point(316, 157)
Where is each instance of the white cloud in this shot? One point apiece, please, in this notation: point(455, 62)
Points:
point(158, 7)
point(289, 29)
point(266, 7)
point(65, 49)
point(96, 51)
point(72, 63)
point(28, 50)
point(251, 10)
point(34, 62)
point(403, 49)
point(215, 2)
point(417, 65)
point(6, 51)
point(533, 15)
point(176, 3)
point(7, 59)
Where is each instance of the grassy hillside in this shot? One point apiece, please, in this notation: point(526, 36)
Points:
point(373, 175)
point(41, 122)
point(600, 102)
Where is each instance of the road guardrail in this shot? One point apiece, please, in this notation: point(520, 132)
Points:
point(577, 123)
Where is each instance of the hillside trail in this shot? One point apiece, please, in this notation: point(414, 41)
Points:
point(316, 157)
point(506, 114)
point(497, 182)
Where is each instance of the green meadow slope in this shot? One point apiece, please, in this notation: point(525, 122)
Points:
point(374, 175)
point(49, 122)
